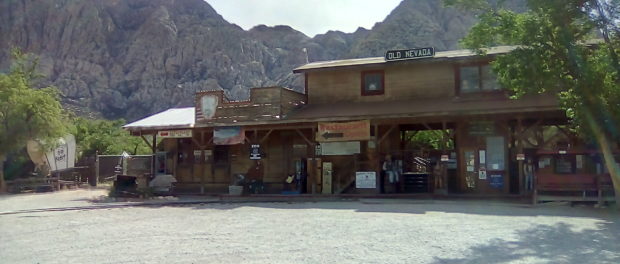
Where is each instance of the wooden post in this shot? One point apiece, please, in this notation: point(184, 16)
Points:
point(96, 167)
point(520, 151)
point(202, 162)
point(154, 150)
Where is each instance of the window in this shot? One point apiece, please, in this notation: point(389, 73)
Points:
point(477, 78)
point(564, 164)
point(372, 82)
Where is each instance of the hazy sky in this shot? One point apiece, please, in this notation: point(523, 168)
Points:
point(308, 16)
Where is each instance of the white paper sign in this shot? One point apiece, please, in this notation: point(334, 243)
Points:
point(365, 180)
point(340, 148)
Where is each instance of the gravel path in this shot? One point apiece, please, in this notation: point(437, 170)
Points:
point(368, 231)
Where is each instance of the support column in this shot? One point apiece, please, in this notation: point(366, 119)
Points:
point(520, 151)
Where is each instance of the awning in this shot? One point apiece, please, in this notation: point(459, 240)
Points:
point(174, 118)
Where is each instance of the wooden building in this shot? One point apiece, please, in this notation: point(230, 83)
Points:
point(356, 114)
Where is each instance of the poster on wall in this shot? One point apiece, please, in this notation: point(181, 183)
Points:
point(255, 152)
point(365, 180)
point(496, 181)
point(228, 135)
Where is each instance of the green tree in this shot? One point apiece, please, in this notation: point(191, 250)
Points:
point(555, 54)
point(107, 137)
point(25, 112)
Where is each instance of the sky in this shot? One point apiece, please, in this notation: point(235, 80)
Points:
point(308, 16)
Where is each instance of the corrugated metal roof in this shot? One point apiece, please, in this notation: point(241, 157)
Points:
point(381, 60)
point(174, 118)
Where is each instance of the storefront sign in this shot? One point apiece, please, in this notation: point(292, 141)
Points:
point(365, 180)
point(348, 131)
point(186, 133)
point(340, 148)
point(228, 135)
point(409, 54)
point(496, 181)
point(481, 128)
point(255, 152)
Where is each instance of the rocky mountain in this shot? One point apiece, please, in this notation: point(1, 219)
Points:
point(131, 58)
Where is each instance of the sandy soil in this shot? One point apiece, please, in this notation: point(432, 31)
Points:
point(367, 231)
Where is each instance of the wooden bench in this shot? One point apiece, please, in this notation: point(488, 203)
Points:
point(582, 183)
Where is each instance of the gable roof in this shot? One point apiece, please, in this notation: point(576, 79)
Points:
point(174, 118)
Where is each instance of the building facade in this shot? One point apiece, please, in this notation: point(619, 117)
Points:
point(351, 131)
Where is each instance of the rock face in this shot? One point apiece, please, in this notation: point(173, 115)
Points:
point(131, 58)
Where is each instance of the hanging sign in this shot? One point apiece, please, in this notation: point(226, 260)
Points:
point(348, 131)
point(186, 133)
point(409, 54)
point(228, 135)
point(255, 152)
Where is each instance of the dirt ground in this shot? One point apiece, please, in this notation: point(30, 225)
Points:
point(366, 231)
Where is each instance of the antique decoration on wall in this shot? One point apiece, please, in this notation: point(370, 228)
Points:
point(208, 106)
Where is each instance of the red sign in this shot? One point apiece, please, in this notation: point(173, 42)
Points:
point(348, 131)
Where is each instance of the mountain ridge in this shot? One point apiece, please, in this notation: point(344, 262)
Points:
point(132, 58)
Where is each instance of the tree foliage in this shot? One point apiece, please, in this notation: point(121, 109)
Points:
point(556, 54)
point(107, 137)
point(27, 112)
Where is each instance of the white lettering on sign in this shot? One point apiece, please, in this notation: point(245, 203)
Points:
point(393, 55)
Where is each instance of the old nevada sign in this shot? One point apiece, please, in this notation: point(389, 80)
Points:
point(408, 54)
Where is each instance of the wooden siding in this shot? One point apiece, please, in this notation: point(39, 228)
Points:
point(265, 104)
point(402, 82)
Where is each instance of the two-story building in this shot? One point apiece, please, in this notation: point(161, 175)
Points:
point(349, 132)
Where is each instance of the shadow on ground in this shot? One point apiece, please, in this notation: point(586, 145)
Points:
point(550, 244)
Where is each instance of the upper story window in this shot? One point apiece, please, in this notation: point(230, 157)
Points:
point(477, 78)
point(373, 82)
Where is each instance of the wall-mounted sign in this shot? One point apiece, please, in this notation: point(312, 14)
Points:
point(228, 135)
point(445, 158)
point(482, 173)
point(186, 133)
point(409, 54)
point(520, 156)
point(496, 181)
point(255, 152)
point(340, 148)
point(208, 106)
point(347, 131)
point(365, 180)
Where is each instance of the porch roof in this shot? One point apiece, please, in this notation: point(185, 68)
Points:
point(424, 108)
point(174, 118)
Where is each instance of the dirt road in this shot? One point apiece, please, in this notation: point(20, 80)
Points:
point(367, 231)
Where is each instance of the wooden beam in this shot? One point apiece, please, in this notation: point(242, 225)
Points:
point(266, 136)
point(304, 137)
point(387, 133)
point(146, 141)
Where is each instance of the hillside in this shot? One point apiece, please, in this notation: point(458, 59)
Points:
point(131, 58)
